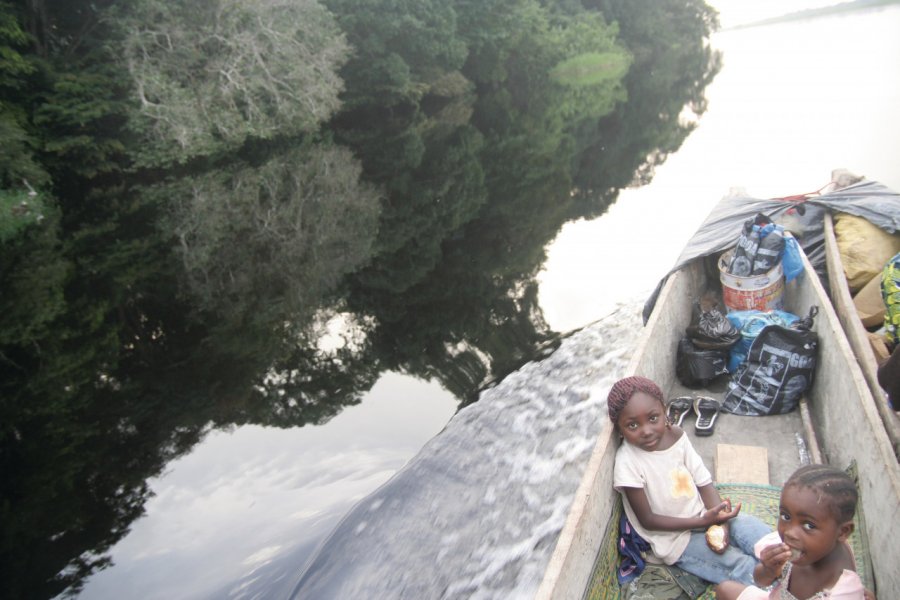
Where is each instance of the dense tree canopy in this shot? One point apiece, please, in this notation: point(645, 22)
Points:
point(209, 74)
point(189, 189)
point(672, 67)
point(272, 238)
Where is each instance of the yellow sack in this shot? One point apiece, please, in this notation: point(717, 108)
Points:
point(864, 248)
point(869, 303)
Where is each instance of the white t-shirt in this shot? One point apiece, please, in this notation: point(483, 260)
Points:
point(670, 479)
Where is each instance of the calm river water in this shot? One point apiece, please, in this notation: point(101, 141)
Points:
point(245, 511)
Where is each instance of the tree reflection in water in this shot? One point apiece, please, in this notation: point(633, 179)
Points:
point(151, 305)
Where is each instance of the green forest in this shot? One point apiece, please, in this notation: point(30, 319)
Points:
point(192, 190)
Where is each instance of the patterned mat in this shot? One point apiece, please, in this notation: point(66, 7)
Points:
point(659, 582)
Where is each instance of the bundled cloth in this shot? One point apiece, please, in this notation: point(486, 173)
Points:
point(632, 549)
point(890, 293)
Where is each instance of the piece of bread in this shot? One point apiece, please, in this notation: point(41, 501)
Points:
point(715, 537)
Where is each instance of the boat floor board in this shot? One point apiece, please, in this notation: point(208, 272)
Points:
point(742, 464)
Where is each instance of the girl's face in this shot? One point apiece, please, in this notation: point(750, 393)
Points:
point(807, 524)
point(642, 421)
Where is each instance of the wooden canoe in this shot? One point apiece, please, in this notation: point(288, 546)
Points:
point(843, 418)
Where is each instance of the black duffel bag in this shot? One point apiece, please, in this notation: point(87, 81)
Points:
point(780, 367)
point(695, 367)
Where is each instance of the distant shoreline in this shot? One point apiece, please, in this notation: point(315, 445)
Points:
point(816, 12)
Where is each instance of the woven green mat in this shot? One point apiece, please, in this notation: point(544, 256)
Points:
point(760, 501)
point(604, 585)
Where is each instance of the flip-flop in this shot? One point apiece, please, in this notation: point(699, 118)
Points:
point(707, 410)
point(677, 409)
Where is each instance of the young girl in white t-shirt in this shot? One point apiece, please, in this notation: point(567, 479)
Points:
point(668, 493)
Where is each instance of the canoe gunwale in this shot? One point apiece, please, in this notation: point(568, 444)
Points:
point(571, 564)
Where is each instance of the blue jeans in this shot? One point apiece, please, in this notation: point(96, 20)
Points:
point(738, 561)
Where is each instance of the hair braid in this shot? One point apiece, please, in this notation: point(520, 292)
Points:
point(622, 391)
point(832, 483)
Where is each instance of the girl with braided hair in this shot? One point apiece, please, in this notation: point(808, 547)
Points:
point(668, 493)
point(808, 556)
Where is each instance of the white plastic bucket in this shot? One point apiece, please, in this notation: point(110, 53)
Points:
point(759, 292)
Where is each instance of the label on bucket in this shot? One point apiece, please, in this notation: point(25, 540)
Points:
point(765, 299)
point(759, 292)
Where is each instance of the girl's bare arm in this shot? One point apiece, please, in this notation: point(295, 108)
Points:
point(637, 498)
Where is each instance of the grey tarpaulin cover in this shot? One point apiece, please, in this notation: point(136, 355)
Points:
point(803, 217)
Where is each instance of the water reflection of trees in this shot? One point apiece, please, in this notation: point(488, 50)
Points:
point(151, 295)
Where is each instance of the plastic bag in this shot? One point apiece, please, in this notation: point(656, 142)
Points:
point(696, 367)
point(780, 367)
point(791, 261)
point(759, 248)
point(749, 323)
point(710, 328)
point(771, 244)
point(745, 250)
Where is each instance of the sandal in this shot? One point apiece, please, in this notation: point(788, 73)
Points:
point(677, 409)
point(707, 410)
